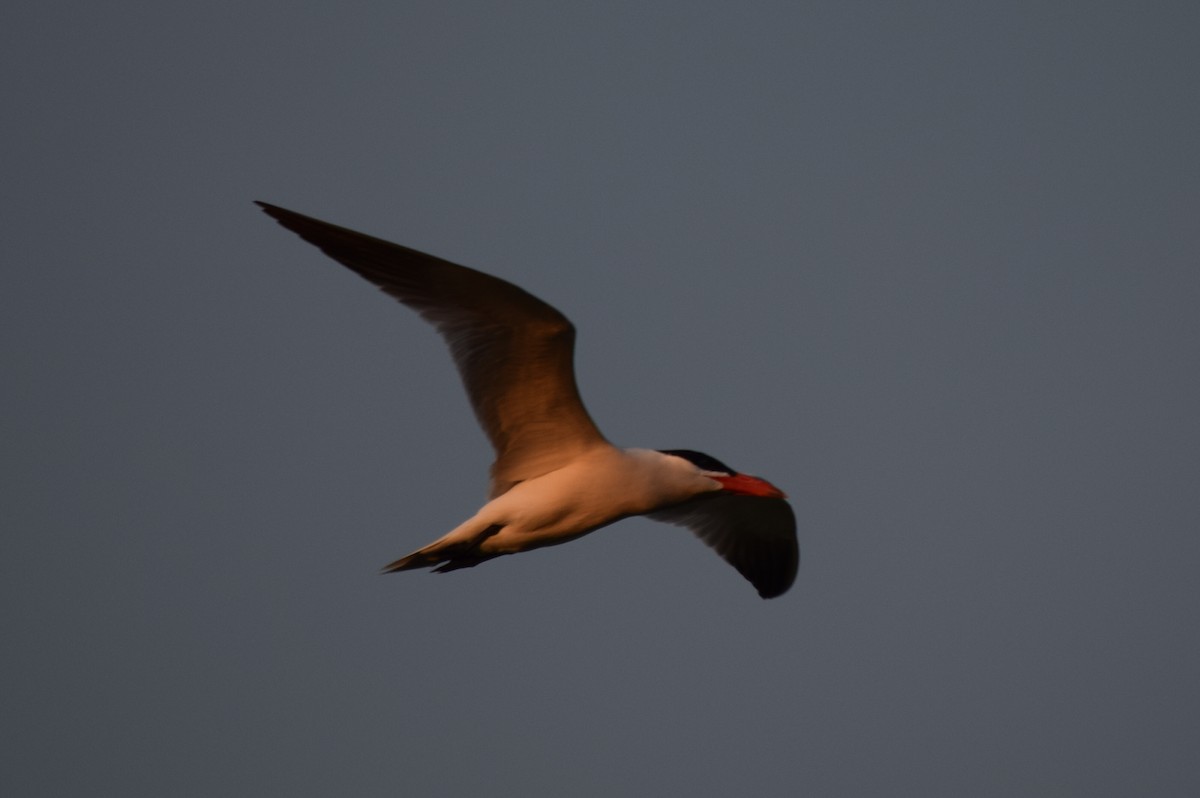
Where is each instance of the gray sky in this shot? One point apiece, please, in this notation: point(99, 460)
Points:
point(929, 267)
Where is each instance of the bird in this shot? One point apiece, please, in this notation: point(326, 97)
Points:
point(555, 477)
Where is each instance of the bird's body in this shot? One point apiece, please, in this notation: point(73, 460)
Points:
point(592, 491)
point(555, 477)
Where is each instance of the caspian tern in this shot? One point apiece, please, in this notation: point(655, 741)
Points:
point(555, 477)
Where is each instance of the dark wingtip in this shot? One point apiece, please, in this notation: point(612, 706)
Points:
point(779, 578)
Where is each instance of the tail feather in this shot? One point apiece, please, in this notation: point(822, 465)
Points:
point(448, 554)
point(462, 562)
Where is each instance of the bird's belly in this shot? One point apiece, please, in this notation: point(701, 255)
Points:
point(571, 502)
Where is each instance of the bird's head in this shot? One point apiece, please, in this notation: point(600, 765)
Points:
point(729, 480)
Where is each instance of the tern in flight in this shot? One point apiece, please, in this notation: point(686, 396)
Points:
point(555, 477)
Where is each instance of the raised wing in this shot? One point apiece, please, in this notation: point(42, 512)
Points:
point(514, 352)
point(755, 535)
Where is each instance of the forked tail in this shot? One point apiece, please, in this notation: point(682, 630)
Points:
point(448, 554)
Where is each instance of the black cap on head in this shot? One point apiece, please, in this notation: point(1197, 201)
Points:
point(701, 461)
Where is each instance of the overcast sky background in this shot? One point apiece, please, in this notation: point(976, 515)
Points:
point(930, 267)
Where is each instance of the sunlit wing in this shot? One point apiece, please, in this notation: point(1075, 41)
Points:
point(515, 353)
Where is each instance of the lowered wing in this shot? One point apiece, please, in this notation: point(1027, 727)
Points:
point(755, 535)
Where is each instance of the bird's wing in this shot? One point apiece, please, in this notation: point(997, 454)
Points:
point(513, 351)
point(755, 535)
